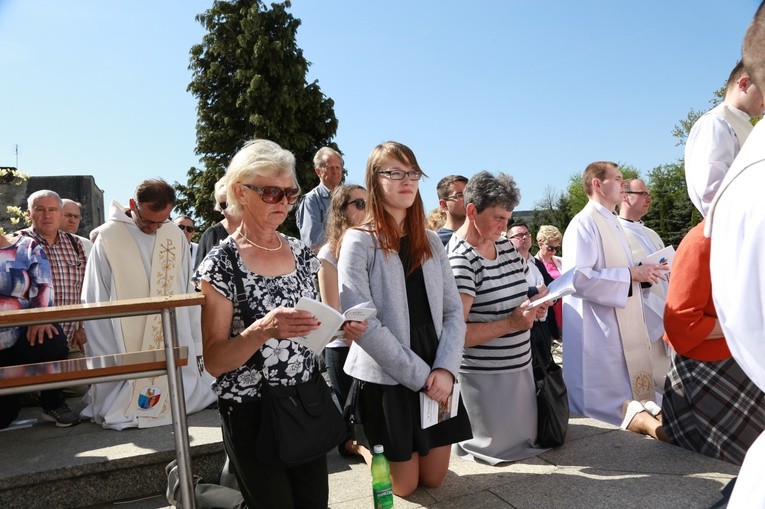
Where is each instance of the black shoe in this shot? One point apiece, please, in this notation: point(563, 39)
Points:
point(62, 416)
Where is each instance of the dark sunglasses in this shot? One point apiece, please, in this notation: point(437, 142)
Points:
point(190, 229)
point(360, 203)
point(552, 249)
point(273, 194)
point(223, 205)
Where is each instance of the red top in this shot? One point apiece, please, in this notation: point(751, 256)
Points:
point(690, 315)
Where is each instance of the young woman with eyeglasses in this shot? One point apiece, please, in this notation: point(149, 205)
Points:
point(414, 342)
point(347, 208)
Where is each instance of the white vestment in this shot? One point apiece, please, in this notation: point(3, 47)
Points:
point(736, 221)
point(712, 144)
point(594, 364)
point(112, 404)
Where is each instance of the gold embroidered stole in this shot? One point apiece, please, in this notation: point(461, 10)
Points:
point(149, 400)
point(631, 322)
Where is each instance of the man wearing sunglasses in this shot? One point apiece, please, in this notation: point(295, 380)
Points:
point(450, 198)
point(186, 225)
point(311, 213)
point(643, 241)
point(139, 253)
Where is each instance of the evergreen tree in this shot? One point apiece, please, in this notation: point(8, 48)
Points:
point(249, 78)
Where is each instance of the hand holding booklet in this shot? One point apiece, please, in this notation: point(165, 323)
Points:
point(331, 321)
point(661, 257)
point(561, 287)
point(432, 412)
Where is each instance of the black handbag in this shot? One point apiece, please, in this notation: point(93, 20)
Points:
point(552, 398)
point(298, 423)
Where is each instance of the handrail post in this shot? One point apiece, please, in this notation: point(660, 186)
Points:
point(178, 409)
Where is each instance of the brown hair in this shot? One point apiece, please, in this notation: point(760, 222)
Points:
point(381, 222)
point(155, 194)
point(596, 170)
point(337, 219)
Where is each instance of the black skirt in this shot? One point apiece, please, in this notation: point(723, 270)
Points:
point(391, 413)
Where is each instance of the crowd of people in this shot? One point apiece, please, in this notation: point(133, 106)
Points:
point(666, 348)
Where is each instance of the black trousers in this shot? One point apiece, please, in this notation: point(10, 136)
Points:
point(263, 486)
point(53, 349)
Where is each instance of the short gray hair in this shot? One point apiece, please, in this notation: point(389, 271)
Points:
point(43, 193)
point(484, 190)
point(258, 158)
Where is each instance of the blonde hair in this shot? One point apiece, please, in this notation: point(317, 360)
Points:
point(436, 218)
point(548, 233)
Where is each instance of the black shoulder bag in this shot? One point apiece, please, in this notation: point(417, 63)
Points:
point(552, 400)
point(299, 422)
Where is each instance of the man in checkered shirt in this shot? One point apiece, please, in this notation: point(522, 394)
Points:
point(67, 259)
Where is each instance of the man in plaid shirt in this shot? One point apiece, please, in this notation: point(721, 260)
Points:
point(66, 256)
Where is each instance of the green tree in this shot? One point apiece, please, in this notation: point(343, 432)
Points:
point(249, 78)
point(671, 214)
point(552, 209)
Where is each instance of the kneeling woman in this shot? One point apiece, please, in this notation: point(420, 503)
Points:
point(414, 343)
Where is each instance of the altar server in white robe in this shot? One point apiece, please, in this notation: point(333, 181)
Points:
point(736, 222)
point(718, 135)
point(140, 253)
point(643, 241)
point(607, 354)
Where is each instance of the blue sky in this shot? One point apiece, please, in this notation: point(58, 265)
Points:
point(534, 89)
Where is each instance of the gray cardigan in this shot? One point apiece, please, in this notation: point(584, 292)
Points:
point(382, 355)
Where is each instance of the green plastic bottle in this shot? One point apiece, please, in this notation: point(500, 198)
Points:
point(382, 490)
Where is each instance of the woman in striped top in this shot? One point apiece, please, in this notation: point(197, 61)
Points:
point(496, 372)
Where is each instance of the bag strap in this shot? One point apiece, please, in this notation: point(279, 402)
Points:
point(73, 241)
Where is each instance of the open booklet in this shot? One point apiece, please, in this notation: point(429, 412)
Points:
point(561, 287)
point(331, 321)
point(661, 257)
point(431, 412)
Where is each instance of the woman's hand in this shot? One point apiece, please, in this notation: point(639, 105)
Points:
point(353, 331)
point(522, 318)
point(39, 333)
point(439, 385)
point(284, 322)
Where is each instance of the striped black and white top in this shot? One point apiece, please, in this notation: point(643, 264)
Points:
point(498, 286)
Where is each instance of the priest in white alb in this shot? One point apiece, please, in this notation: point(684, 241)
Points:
point(140, 253)
point(736, 222)
point(643, 241)
point(607, 352)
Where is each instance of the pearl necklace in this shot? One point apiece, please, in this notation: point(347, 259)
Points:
point(279, 237)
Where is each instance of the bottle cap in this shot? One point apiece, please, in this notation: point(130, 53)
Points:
point(378, 449)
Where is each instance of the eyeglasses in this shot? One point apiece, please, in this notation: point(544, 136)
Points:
point(190, 229)
point(455, 197)
point(521, 236)
point(400, 174)
point(223, 205)
point(146, 221)
point(552, 249)
point(644, 194)
point(273, 194)
point(360, 203)
point(69, 215)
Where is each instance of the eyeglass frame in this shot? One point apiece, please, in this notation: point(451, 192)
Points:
point(455, 197)
point(146, 222)
point(69, 215)
point(644, 194)
point(356, 202)
point(404, 174)
point(295, 191)
point(552, 249)
point(187, 228)
point(521, 235)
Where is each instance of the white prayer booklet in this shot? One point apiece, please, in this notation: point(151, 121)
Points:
point(431, 412)
point(661, 257)
point(331, 321)
point(561, 287)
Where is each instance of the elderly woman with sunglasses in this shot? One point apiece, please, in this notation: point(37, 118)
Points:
point(246, 336)
point(549, 239)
